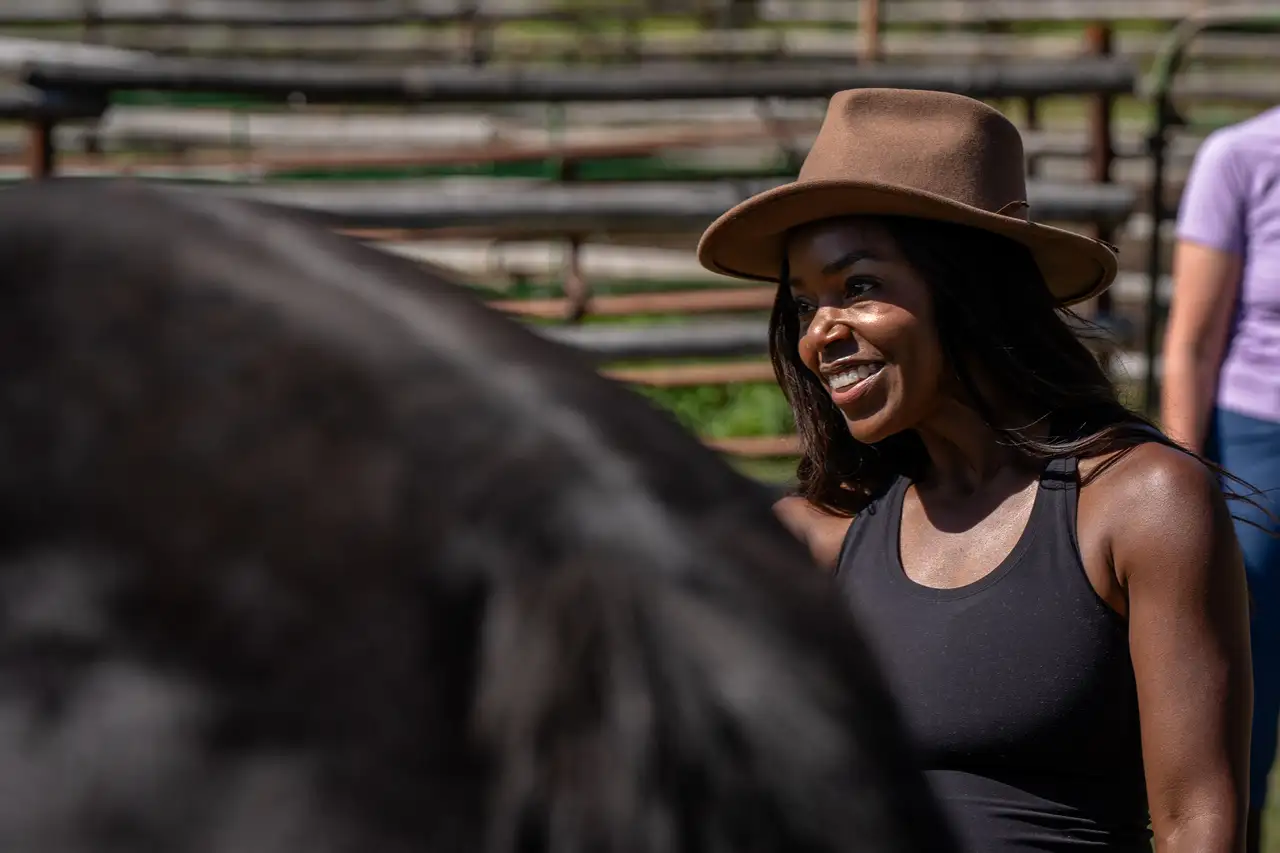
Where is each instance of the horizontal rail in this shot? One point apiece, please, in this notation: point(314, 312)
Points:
point(266, 13)
point(1130, 237)
point(757, 447)
point(382, 12)
point(320, 83)
point(614, 269)
point(717, 301)
point(275, 159)
point(1062, 164)
point(209, 146)
point(16, 52)
point(722, 338)
point(688, 375)
point(24, 103)
point(658, 207)
point(227, 168)
point(618, 144)
point(979, 11)
point(692, 302)
point(399, 45)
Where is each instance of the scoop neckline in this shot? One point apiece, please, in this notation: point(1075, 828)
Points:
point(898, 573)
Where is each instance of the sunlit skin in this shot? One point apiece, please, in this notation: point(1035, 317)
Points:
point(1153, 532)
point(860, 302)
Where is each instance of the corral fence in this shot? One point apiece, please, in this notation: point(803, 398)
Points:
point(568, 166)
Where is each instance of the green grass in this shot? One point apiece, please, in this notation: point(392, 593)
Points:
point(774, 471)
point(727, 411)
point(1271, 826)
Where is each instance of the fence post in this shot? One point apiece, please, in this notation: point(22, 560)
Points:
point(41, 151)
point(1102, 149)
point(1032, 109)
point(479, 30)
point(869, 24)
point(1100, 42)
point(740, 14)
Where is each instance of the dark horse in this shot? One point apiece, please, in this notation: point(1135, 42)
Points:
point(305, 550)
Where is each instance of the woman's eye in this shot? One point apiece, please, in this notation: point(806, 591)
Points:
point(855, 287)
point(804, 307)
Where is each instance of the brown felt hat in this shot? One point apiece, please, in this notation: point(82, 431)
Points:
point(900, 152)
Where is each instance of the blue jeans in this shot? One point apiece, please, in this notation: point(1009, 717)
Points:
point(1249, 448)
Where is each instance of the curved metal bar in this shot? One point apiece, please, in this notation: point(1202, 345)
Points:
point(1158, 87)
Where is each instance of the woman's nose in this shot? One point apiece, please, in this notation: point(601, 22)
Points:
point(827, 327)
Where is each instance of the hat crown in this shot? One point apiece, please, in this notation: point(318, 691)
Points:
point(935, 142)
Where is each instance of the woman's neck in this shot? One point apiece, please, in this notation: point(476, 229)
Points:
point(965, 454)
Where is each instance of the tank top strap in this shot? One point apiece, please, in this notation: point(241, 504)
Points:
point(1060, 472)
point(1060, 485)
point(875, 528)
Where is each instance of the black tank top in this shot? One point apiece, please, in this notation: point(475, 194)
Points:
point(1018, 688)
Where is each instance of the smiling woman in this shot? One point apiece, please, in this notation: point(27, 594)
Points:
point(1052, 584)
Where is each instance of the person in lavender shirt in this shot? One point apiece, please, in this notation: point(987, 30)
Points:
point(1222, 372)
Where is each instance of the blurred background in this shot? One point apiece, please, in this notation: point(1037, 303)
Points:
point(562, 156)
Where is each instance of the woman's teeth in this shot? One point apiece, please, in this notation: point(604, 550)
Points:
point(854, 375)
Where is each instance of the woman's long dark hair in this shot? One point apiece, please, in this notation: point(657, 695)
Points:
point(995, 317)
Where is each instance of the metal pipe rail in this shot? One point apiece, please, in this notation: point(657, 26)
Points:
point(277, 13)
point(705, 339)
point(708, 339)
point(977, 11)
point(26, 103)
point(376, 12)
point(339, 84)
point(558, 208)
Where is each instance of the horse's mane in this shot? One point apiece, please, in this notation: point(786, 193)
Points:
point(305, 549)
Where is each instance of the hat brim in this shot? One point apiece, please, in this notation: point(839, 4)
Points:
point(748, 240)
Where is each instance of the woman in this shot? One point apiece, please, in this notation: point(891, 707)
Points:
point(1054, 586)
point(1222, 372)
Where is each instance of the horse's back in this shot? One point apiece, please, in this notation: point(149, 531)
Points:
point(289, 520)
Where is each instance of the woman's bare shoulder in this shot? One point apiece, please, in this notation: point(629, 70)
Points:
point(1154, 497)
point(1152, 470)
point(822, 532)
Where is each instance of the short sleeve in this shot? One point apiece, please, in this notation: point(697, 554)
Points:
point(1212, 211)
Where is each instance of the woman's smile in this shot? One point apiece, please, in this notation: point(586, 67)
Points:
point(865, 325)
point(851, 380)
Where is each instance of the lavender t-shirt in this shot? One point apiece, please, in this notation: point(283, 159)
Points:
point(1232, 203)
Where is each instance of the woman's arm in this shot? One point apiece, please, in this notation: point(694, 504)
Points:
point(1205, 283)
point(1206, 276)
point(1176, 554)
point(821, 533)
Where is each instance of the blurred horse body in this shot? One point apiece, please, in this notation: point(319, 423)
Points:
point(305, 549)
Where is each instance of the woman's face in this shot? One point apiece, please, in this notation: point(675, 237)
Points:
point(866, 326)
